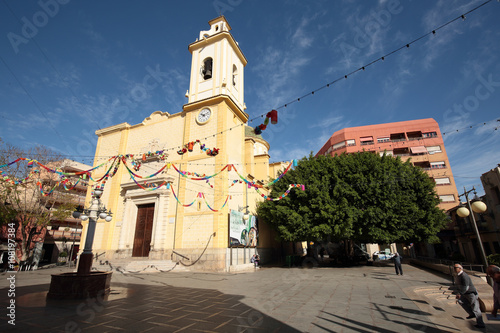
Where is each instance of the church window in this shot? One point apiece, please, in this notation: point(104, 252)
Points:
point(235, 75)
point(206, 70)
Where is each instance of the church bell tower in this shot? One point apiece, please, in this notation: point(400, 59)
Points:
point(217, 68)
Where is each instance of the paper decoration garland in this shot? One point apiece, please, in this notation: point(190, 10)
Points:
point(115, 163)
point(72, 186)
point(166, 166)
point(234, 182)
point(136, 163)
point(199, 195)
point(273, 115)
point(302, 187)
point(45, 194)
point(214, 210)
point(190, 146)
point(17, 182)
point(252, 184)
point(196, 176)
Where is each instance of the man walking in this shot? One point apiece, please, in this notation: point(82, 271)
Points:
point(397, 263)
point(494, 272)
point(467, 296)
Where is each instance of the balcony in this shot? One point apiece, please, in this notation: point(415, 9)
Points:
point(414, 135)
point(429, 135)
point(424, 165)
point(401, 151)
point(58, 235)
point(67, 196)
point(397, 137)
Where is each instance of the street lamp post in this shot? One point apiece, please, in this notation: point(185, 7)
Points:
point(478, 207)
point(93, 213)
point(83, 283)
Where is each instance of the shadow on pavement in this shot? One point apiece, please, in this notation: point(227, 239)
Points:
point(415, 300)
point(425, 326)
point(418, 312)
point(136, 308)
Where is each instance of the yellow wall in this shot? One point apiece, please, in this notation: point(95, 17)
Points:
point(176, 227)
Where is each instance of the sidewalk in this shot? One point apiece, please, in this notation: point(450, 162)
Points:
point(354, 299)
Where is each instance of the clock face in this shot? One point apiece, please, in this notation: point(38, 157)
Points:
point(204, 116)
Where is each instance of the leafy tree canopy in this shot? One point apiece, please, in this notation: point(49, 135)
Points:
point(361, 197)
point(22, 204)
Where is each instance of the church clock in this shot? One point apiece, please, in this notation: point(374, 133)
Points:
point(203, 116)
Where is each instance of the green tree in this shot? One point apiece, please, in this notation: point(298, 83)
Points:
point(359, 197)
point(22, 204)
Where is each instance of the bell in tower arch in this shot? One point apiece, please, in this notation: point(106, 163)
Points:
point(207, 69)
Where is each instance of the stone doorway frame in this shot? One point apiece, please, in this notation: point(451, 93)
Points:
point(135, 196)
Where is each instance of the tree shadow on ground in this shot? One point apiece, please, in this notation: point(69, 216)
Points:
point(360, 326)
point(145, 307)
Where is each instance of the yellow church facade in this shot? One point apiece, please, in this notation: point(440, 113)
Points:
point(188, 220)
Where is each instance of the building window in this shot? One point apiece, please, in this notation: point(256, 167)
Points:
point(429, 135)
point(419, 150)
point(383, 139)
point(447, 198)
point(401, 151)
point(496, 194)
point(433, 149)
point(398, 137)
point(351, 142)
point(235, 75)
point(414, 135)
point(424, 165)
point(386, 152)
point(339, 145)
point(367, 140)
point(442, 181)
point(206, 70)
point(438, 165)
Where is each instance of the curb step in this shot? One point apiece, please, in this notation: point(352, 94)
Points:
point(140, 266)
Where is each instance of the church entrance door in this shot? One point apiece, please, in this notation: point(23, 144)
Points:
point(143, 230)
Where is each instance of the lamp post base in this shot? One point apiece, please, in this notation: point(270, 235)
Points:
point(85, 264)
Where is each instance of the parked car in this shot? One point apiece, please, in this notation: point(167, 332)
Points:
point(360, 254)
point(382, 255)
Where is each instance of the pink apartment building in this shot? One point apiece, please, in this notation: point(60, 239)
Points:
point(420, 140)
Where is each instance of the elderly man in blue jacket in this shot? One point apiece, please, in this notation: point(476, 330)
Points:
point(494, 272)
point(467, 296)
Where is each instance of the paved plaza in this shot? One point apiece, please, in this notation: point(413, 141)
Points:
point(351, 299)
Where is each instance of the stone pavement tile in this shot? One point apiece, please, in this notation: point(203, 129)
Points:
point(355, 299)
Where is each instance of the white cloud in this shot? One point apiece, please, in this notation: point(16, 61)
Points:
point(289, 154)
point(279, 66)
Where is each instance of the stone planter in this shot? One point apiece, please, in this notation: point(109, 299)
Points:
point(74, 286)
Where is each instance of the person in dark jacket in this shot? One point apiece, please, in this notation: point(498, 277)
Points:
point(397, 263)
point(467, 296)
point(494, 272)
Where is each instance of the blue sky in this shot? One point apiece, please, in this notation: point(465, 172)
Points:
point(71, 67)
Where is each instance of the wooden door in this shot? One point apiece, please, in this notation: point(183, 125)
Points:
point(143, 230)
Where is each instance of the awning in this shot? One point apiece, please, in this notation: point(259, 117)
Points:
point(418, 150)
point(366, 138)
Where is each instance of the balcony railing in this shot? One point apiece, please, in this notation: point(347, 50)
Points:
point(60, 234)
